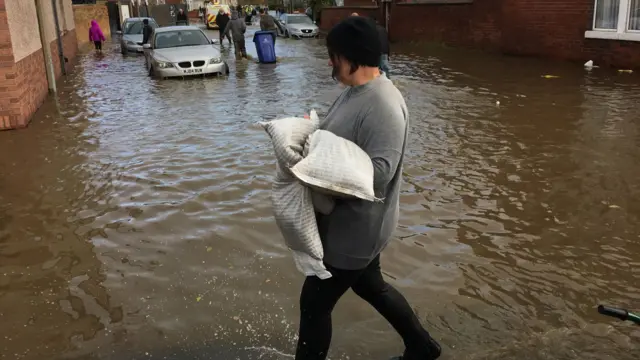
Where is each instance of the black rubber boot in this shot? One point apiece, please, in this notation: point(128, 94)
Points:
point(432, 354)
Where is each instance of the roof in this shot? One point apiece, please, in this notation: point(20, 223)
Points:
point(138, 18)
point(175, 28)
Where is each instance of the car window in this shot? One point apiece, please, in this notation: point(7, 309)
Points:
point(135, 27)
point(170, 39)
point(299, 20)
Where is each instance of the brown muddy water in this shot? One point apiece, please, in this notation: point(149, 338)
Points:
point(135, 220)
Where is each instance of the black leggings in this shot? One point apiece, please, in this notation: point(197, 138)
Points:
point(319, 297)
point(222, 37)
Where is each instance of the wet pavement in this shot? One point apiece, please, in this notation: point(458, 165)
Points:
point(135, 218)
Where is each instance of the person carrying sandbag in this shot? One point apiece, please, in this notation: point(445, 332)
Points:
point(371, 113)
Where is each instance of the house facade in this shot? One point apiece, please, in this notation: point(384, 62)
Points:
point(605, 31)
point(37, 44)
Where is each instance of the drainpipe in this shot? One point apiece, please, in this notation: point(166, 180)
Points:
point(60, 47)
point(46, 48)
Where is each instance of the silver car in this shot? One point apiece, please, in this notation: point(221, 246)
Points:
point(179, 51)
point(132, 34)
point(298, 26)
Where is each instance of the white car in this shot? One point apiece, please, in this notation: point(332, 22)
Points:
point(298, 26)
point(179, 51)
point(131, 40)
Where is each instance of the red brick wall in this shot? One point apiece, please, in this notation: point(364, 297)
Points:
point(32, 85)
point(9, 96)
point(23, 85)
point(555, 28)
point(478, 24)
point(332, 15)
point(545, 28)
point(69, 49)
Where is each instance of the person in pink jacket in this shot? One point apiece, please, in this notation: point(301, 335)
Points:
point(96, 35)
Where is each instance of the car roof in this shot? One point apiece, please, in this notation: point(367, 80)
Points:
point(138, 19)
point(295, 14)
point(175, 28)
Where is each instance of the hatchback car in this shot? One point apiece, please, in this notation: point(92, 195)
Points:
point(132, 34)
point(180, 51)
point(298, 26)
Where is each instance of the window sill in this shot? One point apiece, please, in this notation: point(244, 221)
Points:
point(611, 35)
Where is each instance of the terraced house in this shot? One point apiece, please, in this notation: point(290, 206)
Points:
point(605, 31)
point(37, 44)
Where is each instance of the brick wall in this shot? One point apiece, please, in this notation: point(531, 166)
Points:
point(32, 84)
point(23, 85)
point(83, 14)
point(545, 28)
point(9, 96)
point(69, 49)
point(555, 28)
point(478, 24)
point(332, 15)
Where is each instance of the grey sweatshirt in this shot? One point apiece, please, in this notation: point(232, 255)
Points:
point(236, 27)
point(375, 117)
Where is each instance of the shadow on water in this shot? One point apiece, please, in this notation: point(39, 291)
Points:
point(135, 219)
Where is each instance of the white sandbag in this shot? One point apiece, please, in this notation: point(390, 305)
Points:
point(336, 166)
point(292, 201)
point(289, 136)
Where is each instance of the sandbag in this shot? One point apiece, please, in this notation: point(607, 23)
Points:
point(292, 201)
point(312, 167)
point(336, 166)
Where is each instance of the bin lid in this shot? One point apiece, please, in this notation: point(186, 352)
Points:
point(263, 34)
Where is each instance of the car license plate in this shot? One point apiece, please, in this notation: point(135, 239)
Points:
point(193, 71)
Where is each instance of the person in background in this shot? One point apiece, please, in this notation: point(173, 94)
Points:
point(372, 113)
point(147, 30)
point(181, 18)
point(268, 23)
point(384, 45)
point(236, 27)
point(96, 35)
point(222, 19)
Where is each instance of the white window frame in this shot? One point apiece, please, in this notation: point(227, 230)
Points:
point(621, 32)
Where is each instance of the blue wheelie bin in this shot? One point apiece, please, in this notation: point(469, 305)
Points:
point(265, 48)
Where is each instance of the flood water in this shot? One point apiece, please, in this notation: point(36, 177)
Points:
point(135, 219)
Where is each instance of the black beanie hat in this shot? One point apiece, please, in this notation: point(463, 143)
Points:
point(356, 40)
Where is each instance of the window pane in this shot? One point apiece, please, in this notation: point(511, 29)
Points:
point(607, 14)
point(634, 15)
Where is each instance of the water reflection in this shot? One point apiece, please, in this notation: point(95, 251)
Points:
point(135, 218)
point(51, 278)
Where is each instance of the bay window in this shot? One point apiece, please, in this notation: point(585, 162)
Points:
point(616, 20)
